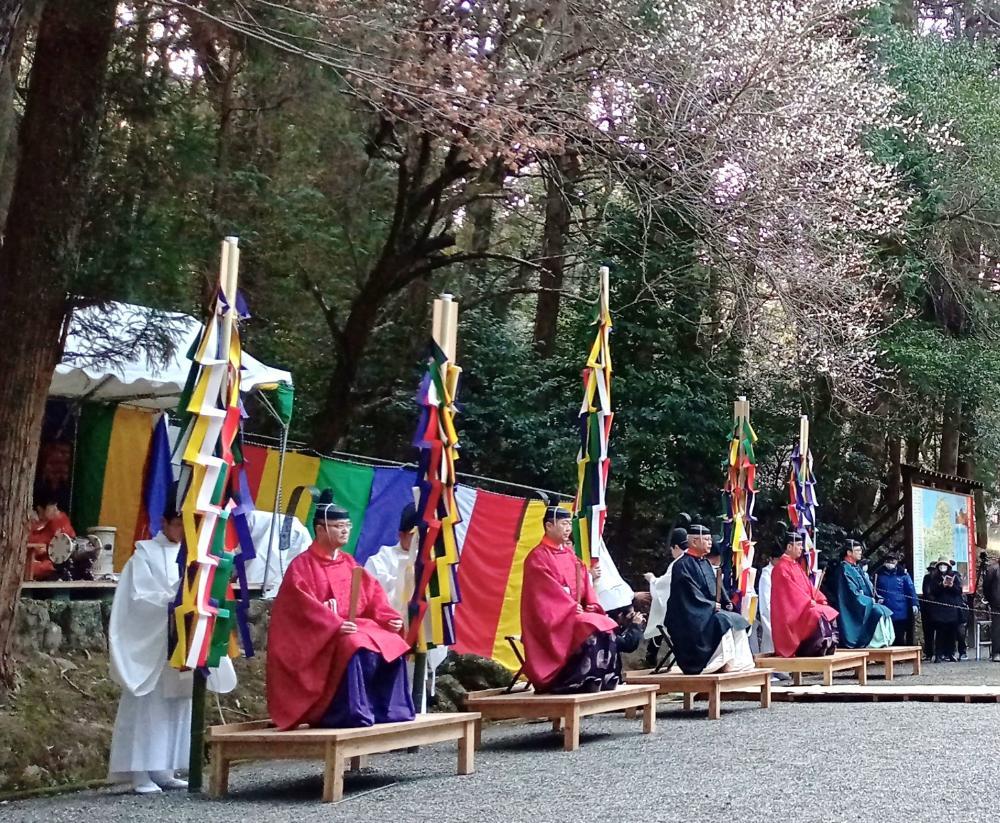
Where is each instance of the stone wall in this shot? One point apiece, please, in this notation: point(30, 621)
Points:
point(61, 626)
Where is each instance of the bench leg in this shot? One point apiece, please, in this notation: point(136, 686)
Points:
point(467, 749)
point(358, 762)
point(715, 702)
point(827, 676)
point(689, 701)
point(917, 664)
point(889, 671)
point(571, 735)
point(557, 724)
point(631, 712)
point(765, 693)
point(863, 674)
point(796, 678)
point(649, 715)
point(333, 774)
point(218, 784)
point(478, 734)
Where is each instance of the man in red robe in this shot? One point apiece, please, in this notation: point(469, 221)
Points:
point(324, 669)
point(801, 618)
point(569, 642)
point(47, 523)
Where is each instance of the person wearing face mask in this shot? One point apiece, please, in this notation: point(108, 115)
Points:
point(895, 588)
point(944, 595)
point(325, 667)
point(863, 622)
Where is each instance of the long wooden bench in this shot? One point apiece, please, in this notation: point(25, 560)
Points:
point(892, 655)
point(564, 710)
point(855, 660)
point(260, 740)
point(712, 685)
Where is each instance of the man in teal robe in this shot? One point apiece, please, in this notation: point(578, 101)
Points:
point(864, 623)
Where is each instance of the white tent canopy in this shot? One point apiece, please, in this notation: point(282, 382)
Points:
point(152, 385)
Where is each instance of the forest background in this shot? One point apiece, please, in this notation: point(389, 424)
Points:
point(799, 201)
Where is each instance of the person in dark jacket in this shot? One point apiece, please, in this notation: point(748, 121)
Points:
point(991, 594)
point(926, 614)
point(895, 588)
point(630, 627)
point(946, 601)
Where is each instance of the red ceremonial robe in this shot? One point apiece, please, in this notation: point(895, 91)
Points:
point(41, 534)
point(795, 607)
point(551, 627)
point(306, 653)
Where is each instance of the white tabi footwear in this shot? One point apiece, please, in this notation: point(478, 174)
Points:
point(166, 780)
point(142, 784)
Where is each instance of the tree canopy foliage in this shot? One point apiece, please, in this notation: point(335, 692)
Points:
point(798, 200)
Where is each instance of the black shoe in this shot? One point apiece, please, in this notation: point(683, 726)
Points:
point(951, 659)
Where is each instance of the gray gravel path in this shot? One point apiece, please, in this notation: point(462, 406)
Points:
point(818, 762)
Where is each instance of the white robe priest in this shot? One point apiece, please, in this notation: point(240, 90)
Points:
point(151, 737)
point(392, 566)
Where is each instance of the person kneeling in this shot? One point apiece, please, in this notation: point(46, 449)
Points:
point(801, 618)
point(569, 642)
point(863, 622)
point(324, 669)
point(706, 635)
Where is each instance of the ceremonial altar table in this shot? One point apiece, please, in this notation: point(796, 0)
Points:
point(260, 740)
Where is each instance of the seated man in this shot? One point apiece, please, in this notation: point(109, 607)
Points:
point(393, 568)
point(322, 668)
point(659, 594)
point(863, 622)
point(706, 635)
point(47, 521)
point(569, 642)
point(801, 619)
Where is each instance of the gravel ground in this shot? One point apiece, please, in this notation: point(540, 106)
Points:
point(802, 762)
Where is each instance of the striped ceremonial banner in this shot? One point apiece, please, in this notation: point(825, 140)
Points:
point(112, 446)
point(495, 534)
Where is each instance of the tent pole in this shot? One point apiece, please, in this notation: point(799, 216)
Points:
point(277, 506)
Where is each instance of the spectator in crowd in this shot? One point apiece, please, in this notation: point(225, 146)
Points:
point(895, 588)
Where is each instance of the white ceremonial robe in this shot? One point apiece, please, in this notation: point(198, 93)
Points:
point(612, 591)
point(260, 530)
point(764, 609)
point(732, 654)
point(390, 565)
point(153, 725)
point(659, 588)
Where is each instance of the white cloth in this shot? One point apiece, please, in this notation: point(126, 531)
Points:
point(152, 727)
point(659, 588)
point(732, 654)
point(260, 524)
point(612, 591)
point(764, 609)
point(392, 566)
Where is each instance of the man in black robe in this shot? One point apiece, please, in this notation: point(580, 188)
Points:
point(705, 637)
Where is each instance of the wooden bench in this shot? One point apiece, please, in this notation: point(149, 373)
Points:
point(892, 655)
point(564, 710)
point(842, 660)
point(713, 685)
point(260, 740)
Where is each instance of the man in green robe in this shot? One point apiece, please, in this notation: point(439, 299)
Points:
point(864, 623)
